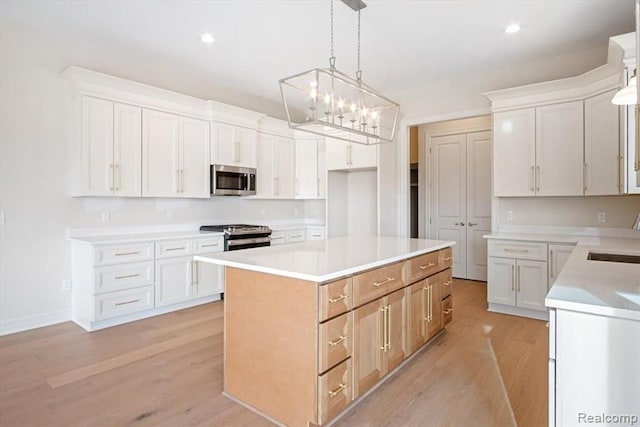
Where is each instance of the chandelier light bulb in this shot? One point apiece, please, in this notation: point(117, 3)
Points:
point(314, 93)
point(353, 107)
point(341, 104)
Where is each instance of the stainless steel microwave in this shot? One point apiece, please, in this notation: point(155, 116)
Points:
point(232, 181)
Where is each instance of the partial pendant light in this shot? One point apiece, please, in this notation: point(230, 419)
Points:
point(327, 102)
point(627, 95)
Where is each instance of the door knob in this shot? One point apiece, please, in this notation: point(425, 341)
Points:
point(459, 223)
point(471, 224)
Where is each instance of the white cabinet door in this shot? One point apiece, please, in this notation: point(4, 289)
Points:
point(306, 163)
point(363, 156)
point(602, 146)
point(208, 279)
point(558, 256)
point(531, 283)
point(284, 173)
point(559, 149)
point(173, 280)
point(97, 147)
point(514, 139)
point(194, 158)
point(127, 150)
point(336, 154)
point(160, 154)
point(265, 179)
point(322, 170)
point(501, 281)
point(223, 144)
point(246, 148)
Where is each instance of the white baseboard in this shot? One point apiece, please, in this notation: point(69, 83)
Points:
point(518, 311)
point(12, 326)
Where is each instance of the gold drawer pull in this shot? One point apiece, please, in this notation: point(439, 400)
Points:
point(127, 276)
point(335, 392)
point(127, 302)
point(176, 249)
point(338, 298)
point(208, 246)
point(127, 253)
point(424, 267)
point(448, 282)
point(519, 251)
point(338, 341)
point(448, 311)
point(447, 258)
point(387, 280)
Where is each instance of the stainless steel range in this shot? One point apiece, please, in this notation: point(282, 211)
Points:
point(242, 236)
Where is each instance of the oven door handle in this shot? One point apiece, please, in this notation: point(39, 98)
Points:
point(237, 242)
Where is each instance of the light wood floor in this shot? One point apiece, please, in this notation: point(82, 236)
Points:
point(486, 370)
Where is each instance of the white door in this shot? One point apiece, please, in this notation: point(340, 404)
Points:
point(531, 283)
point(246, 147)
point(284, 168)
point(501, 280)
point(448, 190)
point(478, 203)
point(97, 147)
point(363, 156)
point(514, 139)
point(602, 145)
point(194, 158)
point(306, 163)
point(173, 280)
point(558, 256)
point(127, 150)
point(223, 144)
point(160, 154)
point(208, 279)
point(266, 169)
point(559, 149)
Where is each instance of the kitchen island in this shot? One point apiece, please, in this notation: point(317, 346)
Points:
point(311, 328)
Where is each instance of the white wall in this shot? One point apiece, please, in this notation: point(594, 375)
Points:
point(35, 179)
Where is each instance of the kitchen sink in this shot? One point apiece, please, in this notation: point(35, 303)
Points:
point(631, 259)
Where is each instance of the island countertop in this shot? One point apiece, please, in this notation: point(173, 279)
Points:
point(325, 260)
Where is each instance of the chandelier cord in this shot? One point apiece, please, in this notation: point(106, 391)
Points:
point(359, 70)
point(332, 58)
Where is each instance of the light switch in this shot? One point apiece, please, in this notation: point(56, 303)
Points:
point(602, 217)
point(509, 215)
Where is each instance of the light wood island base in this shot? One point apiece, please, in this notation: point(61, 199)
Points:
point(302, 353)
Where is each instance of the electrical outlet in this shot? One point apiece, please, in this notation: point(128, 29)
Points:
point(602, 217)
point(66, 285)
point(169, 215)
point(2, 217)
point(106, 217)
point(509, 215)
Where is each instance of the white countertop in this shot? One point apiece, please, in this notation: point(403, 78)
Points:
point(142, 237)
point(325, 260)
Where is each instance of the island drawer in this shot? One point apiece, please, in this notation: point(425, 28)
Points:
point(173, 248)
point(376, 283)
point(295, 236)
point(334, 298)
point(335, 341)
point(518, 249)
point(211, 244)
point(422, 266)
point(445, 258)
point(129, 252)
point(277, 238)
point(447, 282)
point(334, 391)
point(447, 310)
point(122, 276)
point(124, 302)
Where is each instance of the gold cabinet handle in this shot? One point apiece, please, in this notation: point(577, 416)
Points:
point(127, 276)
point(448, 282)
point(334, 393)
point(513, 276)
point(448, 311)
point(127, 302)
point(551, 262)
point(177, 180)
point(538, 179)
point(338, 341)
point(175, 249)
point(519, 251)
point(387, 280)
point(127, 253)
point(208, 246)
point(532, 179)
point(518, 277)
point(111, 178)
point(584, 178)
point(338, 298)
point(428, 303)
point(447, 258)
point(388, 313)
point(424, 267)
point(383, 329)
point(425, 301)
point(117, 185)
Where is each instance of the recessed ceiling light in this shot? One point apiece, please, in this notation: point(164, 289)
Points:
point(207, 38)
point(511, 29)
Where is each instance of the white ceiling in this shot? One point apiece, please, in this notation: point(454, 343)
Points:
point(431, 56)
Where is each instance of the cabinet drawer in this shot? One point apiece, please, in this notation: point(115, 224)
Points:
point(277, 238)
point(447, 310)
point(447, 283)
point(212, 244)
point(316, 235)
point(294, 236)
point(116, 254)
point(173, 248)
point(119, 303)
point(123, 276)
point(334, 298)
point(376, 283)
point(422, 266)
point(518, 249)
point(334, 391)
point(335, 341)
point(445, 258)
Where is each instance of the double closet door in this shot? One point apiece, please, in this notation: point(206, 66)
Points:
point(460, 199)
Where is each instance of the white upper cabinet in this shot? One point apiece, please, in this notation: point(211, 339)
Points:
point(233, 145)
point(341, 155)
point(602, 165)
point(306, 163)
point(275, 171)
point(559, 149)
point(175, 153)
point(514, 148)
point(110, 147)
point(322, 169)
point(363, 156)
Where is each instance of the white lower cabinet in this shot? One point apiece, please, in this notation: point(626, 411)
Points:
point(173, 280)
point(208, 279)
point(114, 304)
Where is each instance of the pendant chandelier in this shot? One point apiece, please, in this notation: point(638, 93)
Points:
point(327, 102)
